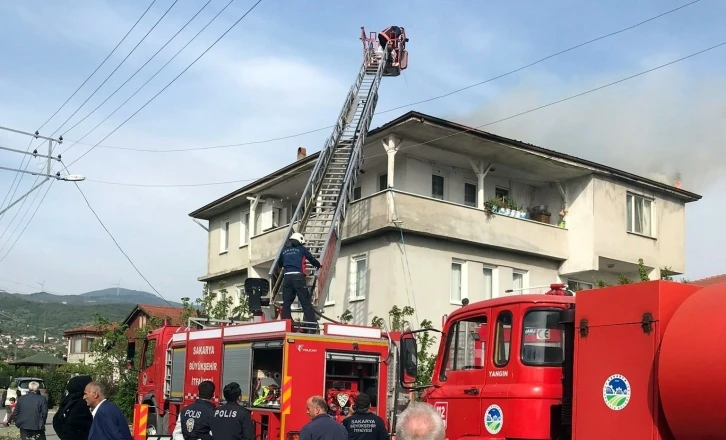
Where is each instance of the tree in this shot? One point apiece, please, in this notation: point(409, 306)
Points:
point(220, 305)
point(398, 323)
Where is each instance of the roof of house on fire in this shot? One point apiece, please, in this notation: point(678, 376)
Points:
point(446, 128)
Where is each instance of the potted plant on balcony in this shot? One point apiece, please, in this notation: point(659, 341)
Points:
point(562, 223)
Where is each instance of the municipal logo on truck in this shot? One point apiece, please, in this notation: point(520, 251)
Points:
point(616, 392)
point(493, 419)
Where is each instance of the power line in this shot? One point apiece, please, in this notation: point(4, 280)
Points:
point(177, 150)
point(141, 185)
point(119, 246)
point(29, 221)
point(22, 161)
point(138, 70)
point(171, 82)
point(117, 67)
point(469, 129)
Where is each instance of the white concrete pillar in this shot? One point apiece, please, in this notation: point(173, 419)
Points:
point(252, 224)
point(391, 145)
point(481, 173)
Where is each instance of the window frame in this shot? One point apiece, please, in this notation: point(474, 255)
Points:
point(521, 343)
point(523, 273)
point(224, 236)
point(151, 343)
point(443, 187)
point(571, 280)
point(493, 270)
point(476, 193)
point(383, 177)
point(496, 339)
point(630, 213)
point(498, 188)
point(453, 329)
point(462, 282)
point(355, 259)
point(244, 228)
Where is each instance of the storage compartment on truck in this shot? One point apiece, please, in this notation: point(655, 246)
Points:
point(346, 376)
point(266, 374)
point(236, 368)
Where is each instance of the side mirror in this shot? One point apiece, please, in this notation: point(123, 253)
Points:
point(408, 360)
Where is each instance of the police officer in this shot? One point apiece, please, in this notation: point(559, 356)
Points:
point(232, 421)
point(364, 425)
point(196, 418)
point(293, 259)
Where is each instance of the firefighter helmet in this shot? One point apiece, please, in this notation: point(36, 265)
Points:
point(298, 237)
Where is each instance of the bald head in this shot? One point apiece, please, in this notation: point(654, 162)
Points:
point(94, 394)
point(420, 421)
point(316, 406)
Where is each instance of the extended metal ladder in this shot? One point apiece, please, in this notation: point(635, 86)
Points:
point(167, 373)
point(322, 208)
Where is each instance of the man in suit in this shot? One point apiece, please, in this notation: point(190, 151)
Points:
point(31, 413)
point(109, 422)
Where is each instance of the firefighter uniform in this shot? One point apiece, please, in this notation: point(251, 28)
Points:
point(196, 420)
point(232, 421)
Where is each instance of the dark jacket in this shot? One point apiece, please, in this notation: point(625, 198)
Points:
point(365, 426)
point(109, 423)
point(323, 427)
point(196, 420)
point(232, 421)
point(294, 255)
point(73, 419)
point(31, 412)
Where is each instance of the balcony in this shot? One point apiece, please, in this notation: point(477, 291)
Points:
point(439, 218)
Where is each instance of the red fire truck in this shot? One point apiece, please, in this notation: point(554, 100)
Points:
point(277, 368)
point(636, 362)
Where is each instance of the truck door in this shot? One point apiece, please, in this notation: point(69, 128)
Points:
point(463, 376)
point(147, 367)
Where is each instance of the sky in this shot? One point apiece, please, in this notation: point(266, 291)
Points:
point(285, 69)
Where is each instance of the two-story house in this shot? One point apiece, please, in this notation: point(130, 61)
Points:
point(419, 233)
point(80, 340)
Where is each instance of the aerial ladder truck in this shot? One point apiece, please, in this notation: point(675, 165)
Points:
point(321, 212)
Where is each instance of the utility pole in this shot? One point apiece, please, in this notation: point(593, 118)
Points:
point(49, 160)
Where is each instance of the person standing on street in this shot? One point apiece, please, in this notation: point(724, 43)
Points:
point(31, 413)
point(232, 421)
point(321, 425)
point(196, 419)
point(73, 420)
point(292, 261)
point(420, 421)
point(109, 422)
point(364, 425)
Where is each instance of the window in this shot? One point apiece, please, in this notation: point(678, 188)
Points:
point(640, 215)
point(224, 236)
point(89, 343)
point(578, 285)
point(358, 276)
point(457, 282)
point(383, 182)
point(466, 349)
point(500, 193)
point(244, 224)
point(78, 345)
point(470, 194)
point(517, 282)
point(488, 282)
point(437, 186)
point(542, 338)
point(240, 295)
point(278, 217)
point(503, 339)
point(149, 353)
point(356, 193)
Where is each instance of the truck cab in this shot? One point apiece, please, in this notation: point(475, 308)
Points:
point(498, 373)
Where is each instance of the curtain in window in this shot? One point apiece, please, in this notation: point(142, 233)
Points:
point(456, 282)
point(646, 219)
point(488, 282)
point(360, 278)
point(517, 282)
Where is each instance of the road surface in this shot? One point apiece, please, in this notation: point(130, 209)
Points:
point(49, 433)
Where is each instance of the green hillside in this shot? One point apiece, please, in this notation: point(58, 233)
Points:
point(27, 317)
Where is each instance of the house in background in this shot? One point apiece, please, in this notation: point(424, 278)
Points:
point(81, 338)
point(710, 281)
point(79, 343)
point(417, 232)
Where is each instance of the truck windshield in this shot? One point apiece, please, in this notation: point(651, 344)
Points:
point(542, 338)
